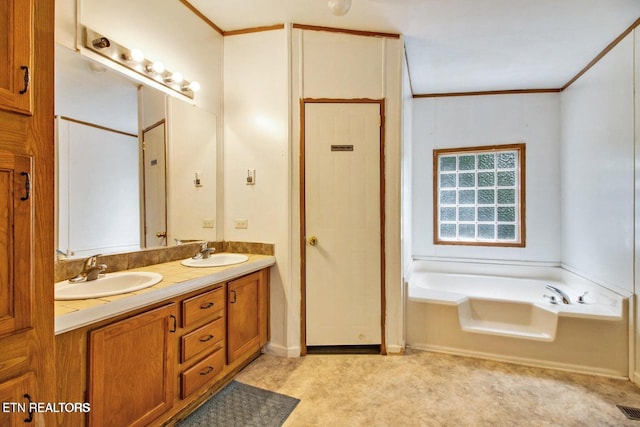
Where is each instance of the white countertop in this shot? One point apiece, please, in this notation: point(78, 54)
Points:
point(177, 280)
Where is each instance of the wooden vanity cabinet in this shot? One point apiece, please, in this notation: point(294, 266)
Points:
point(202, 342)
point(243, 322)
point(132, 369)
point(152, 367)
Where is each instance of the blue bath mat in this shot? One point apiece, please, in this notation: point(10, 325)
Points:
point(242, 405)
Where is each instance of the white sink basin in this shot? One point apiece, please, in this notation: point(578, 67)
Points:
point(216, 260)
point(111, 284)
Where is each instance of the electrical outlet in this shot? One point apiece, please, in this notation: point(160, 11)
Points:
point(241, 223)
point(208, 223)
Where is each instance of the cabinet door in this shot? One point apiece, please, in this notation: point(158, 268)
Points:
point(15, 395)
point(15, 243)
point(132, 369)
point(16, 54)
point(243, 335)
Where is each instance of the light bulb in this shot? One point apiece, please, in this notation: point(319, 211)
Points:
point(177, 77)
point(136, 55)
point(156, 67)
point(194, 86)
point(339, 7)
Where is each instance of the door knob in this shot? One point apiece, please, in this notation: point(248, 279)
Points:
point(161, 234)
point(313, 240)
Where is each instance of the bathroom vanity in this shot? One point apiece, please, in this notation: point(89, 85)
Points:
point(165, 349)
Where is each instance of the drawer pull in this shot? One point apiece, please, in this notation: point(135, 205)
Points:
point(27, 186)
point(26, 83)
point(207, 371)
point(30, 419)
point(207, 338)
point(208, 305)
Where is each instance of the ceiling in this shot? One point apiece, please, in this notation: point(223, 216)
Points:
point(461, 45)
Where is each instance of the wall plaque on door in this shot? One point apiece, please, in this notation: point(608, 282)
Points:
point(342, 148)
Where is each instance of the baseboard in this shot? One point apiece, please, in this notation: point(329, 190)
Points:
point(282, 351)
point(395, 349)
point(522, 361)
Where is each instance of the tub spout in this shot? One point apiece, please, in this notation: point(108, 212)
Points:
point(560, 293)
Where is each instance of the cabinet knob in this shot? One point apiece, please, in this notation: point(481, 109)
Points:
point(161, 234)
point(313, 240)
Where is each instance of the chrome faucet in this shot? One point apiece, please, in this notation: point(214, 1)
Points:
point(565, 298)
point(90, 271)
point(204, 252)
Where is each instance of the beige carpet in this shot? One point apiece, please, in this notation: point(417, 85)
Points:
point(430, 389)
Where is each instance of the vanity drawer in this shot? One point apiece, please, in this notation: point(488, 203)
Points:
point(209, 305)
point(205, 371)
point(204, 338)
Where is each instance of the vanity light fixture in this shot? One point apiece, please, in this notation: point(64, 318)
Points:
point(134, 60)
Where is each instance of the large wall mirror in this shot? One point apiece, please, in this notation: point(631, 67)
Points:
point(127, 159)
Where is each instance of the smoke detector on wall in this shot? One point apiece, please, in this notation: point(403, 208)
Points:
point(339, 7)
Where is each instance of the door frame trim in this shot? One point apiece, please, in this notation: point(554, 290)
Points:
point(143, 198)
point(303, 243)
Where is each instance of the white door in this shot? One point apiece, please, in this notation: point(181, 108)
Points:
point(342, 224)
point(155, 193)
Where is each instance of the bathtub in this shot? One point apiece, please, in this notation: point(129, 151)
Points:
point(500, 312)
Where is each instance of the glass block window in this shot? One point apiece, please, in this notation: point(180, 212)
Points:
point(479, 195)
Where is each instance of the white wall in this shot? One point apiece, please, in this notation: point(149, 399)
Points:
point(338, 65)
point(407, 138)
point(164, 30)
point(447, 122)
point(266, 74)
point(598, 171)
point(191, 149)
point(635, 325)
point(256, 136)
point(98, 205)
point(168, 31)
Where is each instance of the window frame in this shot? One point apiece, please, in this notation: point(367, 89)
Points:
point(520, 149)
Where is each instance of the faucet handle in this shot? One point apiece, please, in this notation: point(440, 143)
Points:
point(581, 299)
point(552, 298)
point(91, 261)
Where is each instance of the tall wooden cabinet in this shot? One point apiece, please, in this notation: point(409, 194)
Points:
point(16, 55)
point(26, 208)
point(15, 249)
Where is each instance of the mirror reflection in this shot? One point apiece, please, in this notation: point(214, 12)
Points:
point(98, 166)
point(113, 143)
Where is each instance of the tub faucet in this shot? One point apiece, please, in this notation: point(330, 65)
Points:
point(90, 271)
point(204, 252)
point(561, 294)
